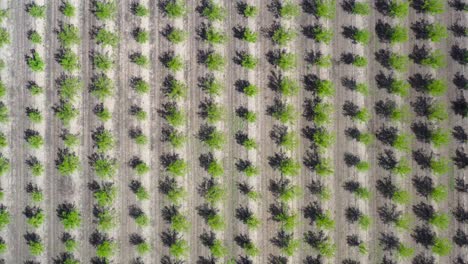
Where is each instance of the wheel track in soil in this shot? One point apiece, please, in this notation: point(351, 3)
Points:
point(87, 124)
point(18, 223)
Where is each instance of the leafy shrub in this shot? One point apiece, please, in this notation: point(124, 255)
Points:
point(283, 36)
point(69, 35)
point(106, 38)
point(175, 8)
point(66, 112)
point(67, 162)
point(105, 9)
point(35, 62)
point(36, 11)
point(140, 10)
point(4, 37)
point(102, 61)
point(67, 9)
point(141, 35)
point(102, 87)
point(213, 12)
point(140, 60)
point(176, 35)
point(34, 37)
point(68, 60)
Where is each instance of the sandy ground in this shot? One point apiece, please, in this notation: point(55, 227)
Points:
point(58, 189)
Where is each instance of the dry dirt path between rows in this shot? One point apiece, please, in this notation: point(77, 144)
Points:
point(342, 145)
point(88, 123)
point(125, 96)
point(455, 197)
point(266, 145)
point(18, 95)
point(195, 147)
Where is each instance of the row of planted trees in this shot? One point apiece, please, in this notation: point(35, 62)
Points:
point(5, 40)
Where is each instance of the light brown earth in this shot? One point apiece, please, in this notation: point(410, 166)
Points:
point(58, 189)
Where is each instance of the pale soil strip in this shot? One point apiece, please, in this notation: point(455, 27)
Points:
point(342, 172)
point(454, 197)
point(156, 23)
point(415, 68)
point(232, 100)
point(266, 147)
point(361, 150)
point(125, 95)
point(48, 129)
point(222, 155)
point(12, 182)
point(376, 172)
point(253, 105)
point(88, 123)
point(195, 147)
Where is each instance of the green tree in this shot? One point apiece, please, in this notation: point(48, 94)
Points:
point(35, 62)
point(177, 36)
point(215, 36)
point(361, 8)
point(438, 112)
point(288, 87)
point(175, 8)
point(325, 9)
point(140, 60)
point(435, 60)
point(36, 248)
point(442, 246)
point(175, 64)
point(178, 167)
point(289, 10)
point(361, 36)
point(3, 140)
point(215, 62)
point(105, 9)
point(433, 7)
point(437, 32)
point(35, 140)
point(399, 9)
point(437, 87)
point(176, 89)
point(440, 220)
point(69, 35)
point(4, 165)
point(405, 252)
point(36, 11)
point(103, 61)
point(68, 60)
point(399, 62)
point(4, 217)
point(104, 166)
point(140, 10)
point(283, 36)
point(66, 112)
point(439, 193)
point(399, 34)
point(440, 166)
point(179, 249)
point(249, 61)
point(34, 37)
point(286, 61)
point(69, 216)
point(217, 249)
point(103, 140)
point(250, 11)
point(141, 35)
point(213, 12)
point(70, 87)
point(68, 9)
point(102, 87)
point(106, 249)
point(67, 163)
point(34, 115)
point(249, 35)
point(140, 86)
point(106, 38)
point(440, 137)
point(215, 169)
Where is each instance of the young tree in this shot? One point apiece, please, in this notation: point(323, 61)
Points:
point(102, 86)
point(319, 33)
point(36, 11)
point(393, 8)
point(35, 62)
point(357, 35)
point(69, 216)
point(391, 34)
point(432, 7)
point(356, 8)
point(425, 30)
point(67, 9)
point(67, 162)
point(212, 11)
point(104, 9)
point(69, 35)
point(320, 8)
point(105, 37)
